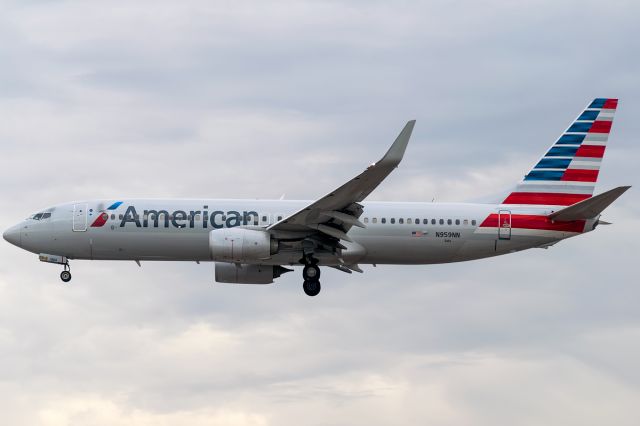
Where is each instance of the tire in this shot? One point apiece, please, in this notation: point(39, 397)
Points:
point(65, 276)
point(311, 273)
point(311, 287)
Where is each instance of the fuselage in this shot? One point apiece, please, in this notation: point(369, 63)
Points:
point(395, 232)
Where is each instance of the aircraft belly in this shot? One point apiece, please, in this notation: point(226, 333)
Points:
point(407, 250)
point(476, 248)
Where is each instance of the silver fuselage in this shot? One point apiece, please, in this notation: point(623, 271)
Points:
point(179, 230)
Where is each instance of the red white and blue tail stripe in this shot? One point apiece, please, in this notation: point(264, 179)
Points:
point(568, 172)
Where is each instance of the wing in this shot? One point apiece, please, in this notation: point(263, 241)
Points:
point(331, 217)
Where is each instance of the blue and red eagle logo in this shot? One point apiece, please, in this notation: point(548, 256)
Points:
point(104, 216)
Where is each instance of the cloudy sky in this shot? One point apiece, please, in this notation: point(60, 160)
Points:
point(258, 99)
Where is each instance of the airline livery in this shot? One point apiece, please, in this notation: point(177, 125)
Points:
point(256, 241)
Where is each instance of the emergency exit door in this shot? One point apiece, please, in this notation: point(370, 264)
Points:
point(504, 224)
point(79, 217)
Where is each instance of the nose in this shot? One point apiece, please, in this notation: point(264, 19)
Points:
point(12, 235)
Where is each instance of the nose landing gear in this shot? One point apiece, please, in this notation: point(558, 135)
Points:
point(65, 275)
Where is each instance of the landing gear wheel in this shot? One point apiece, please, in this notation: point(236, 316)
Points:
point(65, 276)
point(311, 272)
point(311, 287)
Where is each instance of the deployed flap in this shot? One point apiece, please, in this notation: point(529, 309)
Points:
point(342, 202)
point(590, 207)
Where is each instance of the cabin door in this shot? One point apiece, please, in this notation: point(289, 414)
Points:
point(79, 217)
point(504, 224)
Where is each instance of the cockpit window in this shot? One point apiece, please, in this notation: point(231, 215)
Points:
point(40, 216)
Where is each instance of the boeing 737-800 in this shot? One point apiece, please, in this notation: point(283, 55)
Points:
point(253, 242)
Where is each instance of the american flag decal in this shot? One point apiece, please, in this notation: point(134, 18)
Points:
point(417, 234)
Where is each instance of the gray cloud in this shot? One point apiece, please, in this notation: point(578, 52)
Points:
point(255, 99)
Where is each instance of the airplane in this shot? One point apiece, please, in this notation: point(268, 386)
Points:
point(256, 241)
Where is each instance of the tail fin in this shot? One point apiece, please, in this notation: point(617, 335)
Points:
point(568, 172)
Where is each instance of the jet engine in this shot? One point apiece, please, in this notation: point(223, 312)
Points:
point(247, 274)
point(240, 245)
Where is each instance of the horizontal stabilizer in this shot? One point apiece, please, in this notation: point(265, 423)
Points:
point(589, 208)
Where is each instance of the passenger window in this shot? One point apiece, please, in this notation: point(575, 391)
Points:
point(425, 221)
point(417, 222)
point(457, 221)
point(46, 215)
point(409, 221)
point(383, 220)
point(473, 222)
point(433, 221)
point(465, 222)
point(264, 219)
point(441, 221)
point(374, 220)
point(113, 216)
point(401, 220)
point(448, 221)
point(120, 217)
point(366, 220)
point(393, 220)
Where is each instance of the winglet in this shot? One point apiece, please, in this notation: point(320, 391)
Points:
point(396, 152)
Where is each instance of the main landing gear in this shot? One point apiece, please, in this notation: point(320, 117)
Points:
point(311, 275)
point(65, 275)
point(311, 287)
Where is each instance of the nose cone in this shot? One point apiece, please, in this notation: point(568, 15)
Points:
point(12, 235)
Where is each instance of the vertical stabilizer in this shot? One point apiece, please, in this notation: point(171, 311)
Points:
point(568, 171)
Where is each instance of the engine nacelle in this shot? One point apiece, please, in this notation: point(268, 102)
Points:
point(247, 274)
point(240, 245)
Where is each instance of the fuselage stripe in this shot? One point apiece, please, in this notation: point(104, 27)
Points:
point(522, 221)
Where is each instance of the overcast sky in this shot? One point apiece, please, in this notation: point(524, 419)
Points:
point(257, 99)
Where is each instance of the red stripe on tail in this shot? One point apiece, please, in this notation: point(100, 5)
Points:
point(579, 175)
point(547, 198)
point(600, 127)
point(594, 151)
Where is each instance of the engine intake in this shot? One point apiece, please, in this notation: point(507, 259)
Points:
point(240, 245)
